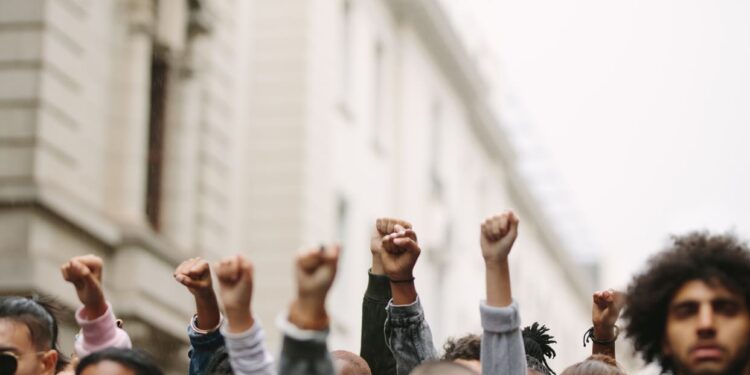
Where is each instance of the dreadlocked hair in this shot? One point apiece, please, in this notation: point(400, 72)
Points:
point(538, 344)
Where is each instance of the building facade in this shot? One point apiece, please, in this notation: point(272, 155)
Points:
point(151, 131)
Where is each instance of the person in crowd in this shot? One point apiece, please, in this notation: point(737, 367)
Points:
point(99, 329)
point(305, 326)
point(407, 332)
point(243, 334)
point(537, 343)
point(117, 361)
point(502, 342)
point(348, 363)
point(28, 337)
point(442, 368)
point(206, 342)
point(597, 364)
point(373, 346)
point(688, 310)
point(464, 350)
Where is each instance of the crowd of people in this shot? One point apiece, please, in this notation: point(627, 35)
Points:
point(687, 312)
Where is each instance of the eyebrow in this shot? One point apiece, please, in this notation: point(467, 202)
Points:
point(9, 349)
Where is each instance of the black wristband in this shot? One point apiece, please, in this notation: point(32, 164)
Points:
point(401, 281)
point(589, 336)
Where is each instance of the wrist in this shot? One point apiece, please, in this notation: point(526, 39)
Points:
point(377, 266)
point(94, 310)
point(239, 321)
point(605, 332)
point(495, 262)
point(309, 315)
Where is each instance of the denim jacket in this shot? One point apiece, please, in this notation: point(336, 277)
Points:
point(410, 339)
point(202, 348)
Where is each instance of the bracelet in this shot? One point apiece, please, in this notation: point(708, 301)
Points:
point(402, 281)
point(194, 325)
point(589, 336)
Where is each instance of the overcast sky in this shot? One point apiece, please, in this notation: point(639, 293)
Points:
point(644, 109)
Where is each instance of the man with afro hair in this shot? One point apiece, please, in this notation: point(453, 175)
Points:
point(688, 310)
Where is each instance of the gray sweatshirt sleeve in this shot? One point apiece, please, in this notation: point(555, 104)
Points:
point(303, 352)
point(408, 336)
point(247, 353)
point(502, 344)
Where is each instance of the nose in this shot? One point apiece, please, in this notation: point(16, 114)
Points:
point(706, 320)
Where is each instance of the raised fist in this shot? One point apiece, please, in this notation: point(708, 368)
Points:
point(195, 274)
point(383, 227)
point(316, 270)
point(497, 236)
point(85, 273)
point(400, 253)
point(605, 312)
point(235, 275)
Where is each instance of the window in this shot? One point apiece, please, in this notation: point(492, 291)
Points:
point(158, 108)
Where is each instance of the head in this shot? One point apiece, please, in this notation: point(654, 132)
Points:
point(348, 363)
point(442, 368)
point(115, 361)
point(688, 310)
point(28, 337)
point(537, 343)
point(597, 364)
point(464, 350)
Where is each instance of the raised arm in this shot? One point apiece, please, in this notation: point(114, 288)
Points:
point(203, 331)
point(97, 321)
point(243, 334)
point(604, 314)
point(373, 347)
point(407, 332)
point(502, 344)
point(305, 350)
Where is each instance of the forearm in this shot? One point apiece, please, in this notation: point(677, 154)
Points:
point(403, 293)
point(207, 311)
point(502, 343)
point(373, 347)
point(497, 277)
point(605, 335)
point(408, 336)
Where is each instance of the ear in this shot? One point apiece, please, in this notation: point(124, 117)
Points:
point(49, 362)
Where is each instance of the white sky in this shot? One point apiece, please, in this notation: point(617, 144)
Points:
point(644, 109)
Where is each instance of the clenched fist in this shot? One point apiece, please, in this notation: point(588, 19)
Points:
point(498, 233)
point(383, 227)
point(195, 274)
point(85, 273)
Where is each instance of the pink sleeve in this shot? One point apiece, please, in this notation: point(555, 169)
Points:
point(99, 333)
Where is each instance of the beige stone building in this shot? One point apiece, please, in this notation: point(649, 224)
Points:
point(151, 131)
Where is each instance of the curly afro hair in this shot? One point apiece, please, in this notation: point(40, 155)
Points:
point(467, 348)
point(716, 259)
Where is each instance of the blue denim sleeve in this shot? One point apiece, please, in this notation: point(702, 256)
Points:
point(202, 347)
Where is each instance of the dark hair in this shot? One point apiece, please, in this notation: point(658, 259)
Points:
point(537, 343)
point(136, 360)
point(714, 259)
point(467, 347)
point(38, 314)
point(442, 368)
point(597, 364)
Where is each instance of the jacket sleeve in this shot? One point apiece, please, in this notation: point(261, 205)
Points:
point(303, 352)
point(99, 333)
point(373, 348)
point(408, 336)
point(247, 352)
point(502, 345)
point(203, 347)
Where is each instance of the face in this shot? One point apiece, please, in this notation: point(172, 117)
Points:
point(107, 368)
point(15, 339)
point(707, 330)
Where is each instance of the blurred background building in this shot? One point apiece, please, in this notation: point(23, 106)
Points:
point(150, 131)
